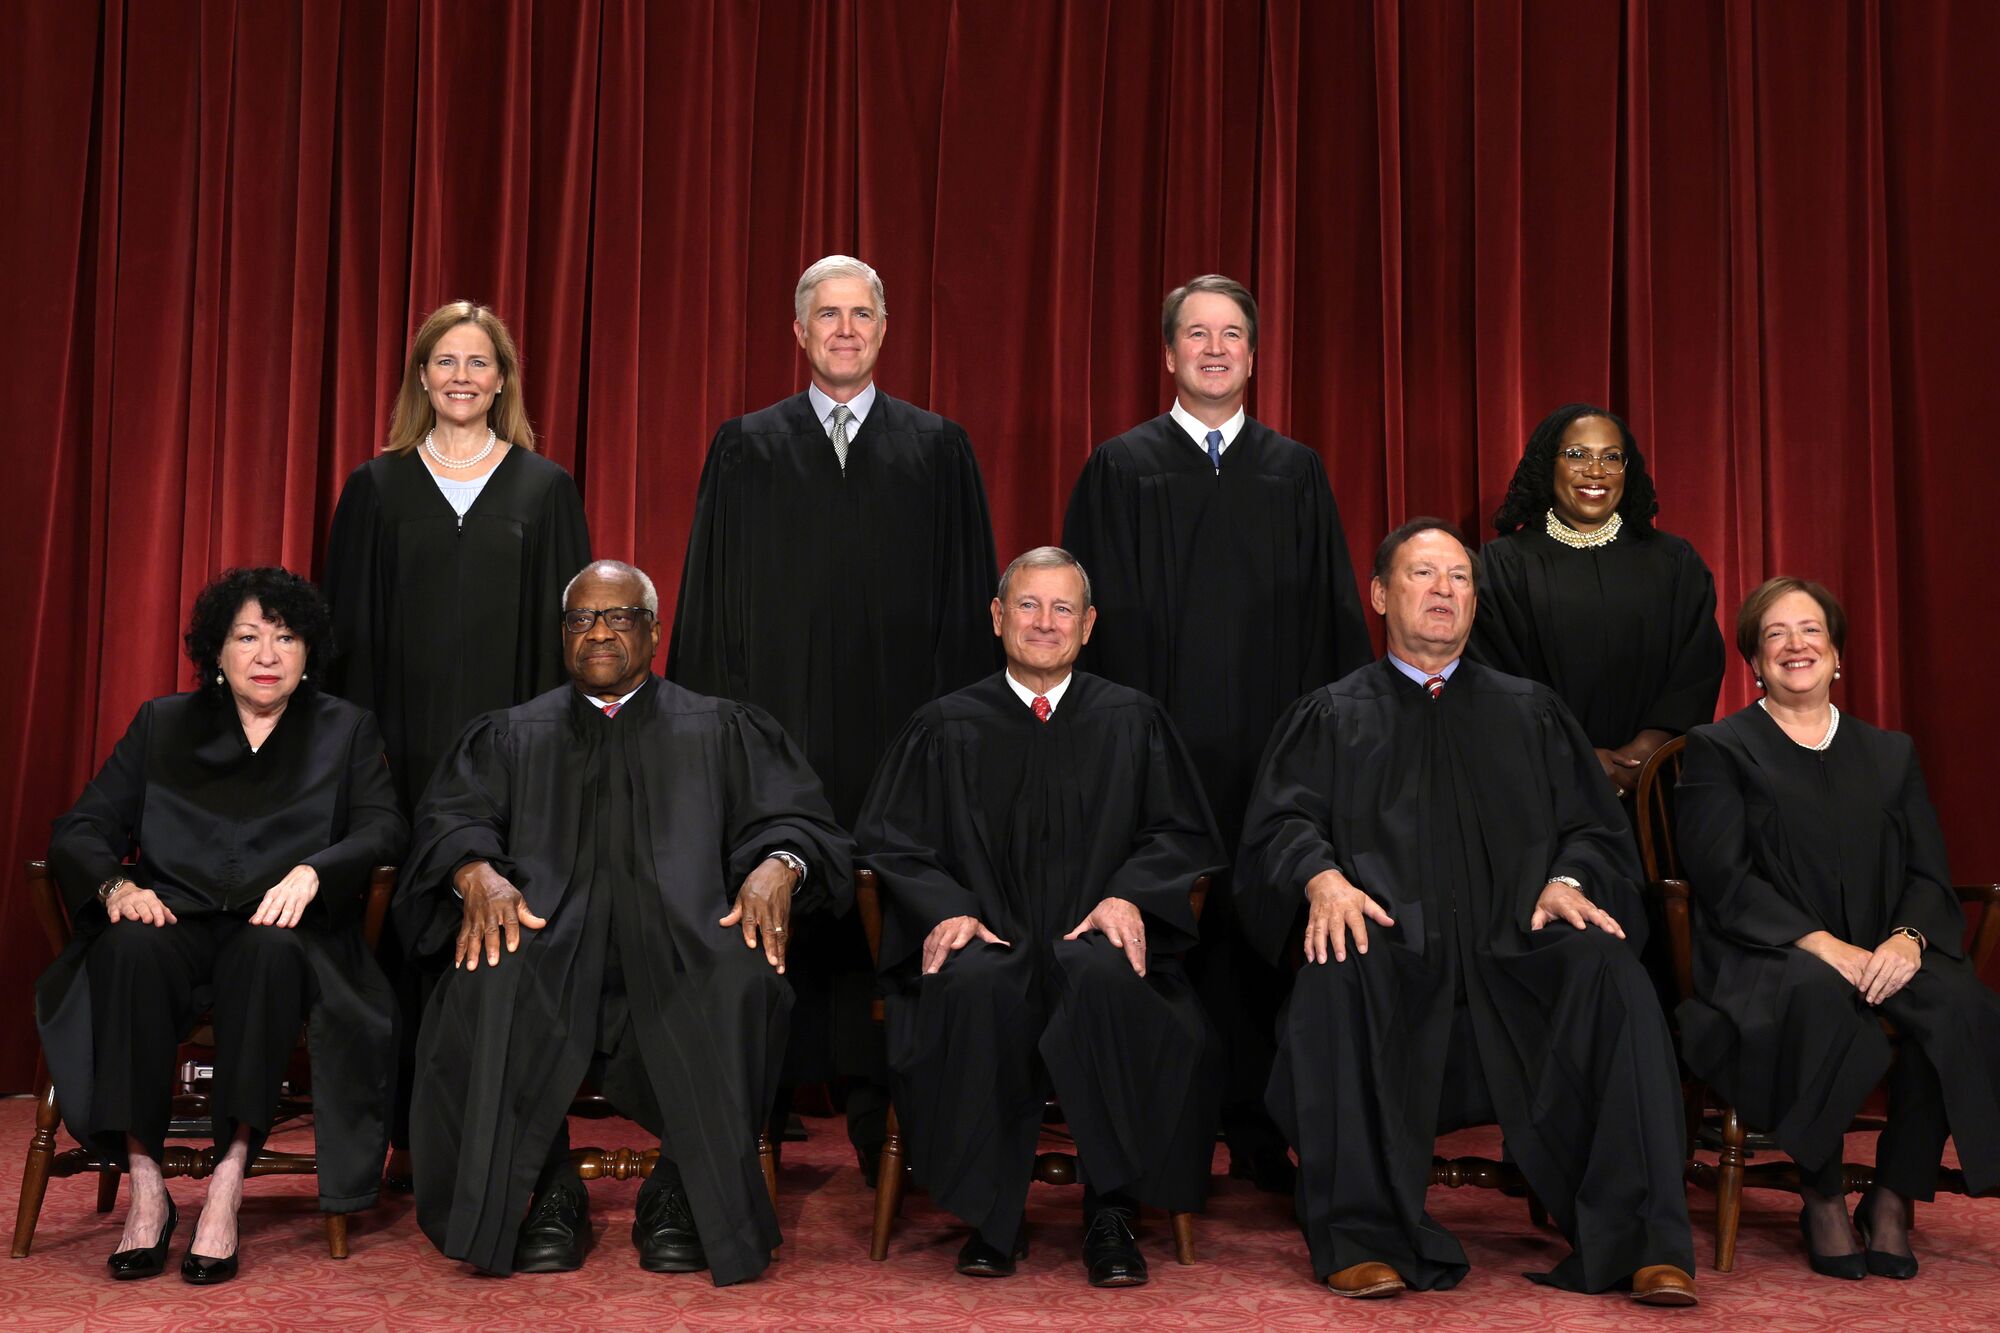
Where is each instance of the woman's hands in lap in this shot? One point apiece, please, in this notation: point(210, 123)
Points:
point(285, 902)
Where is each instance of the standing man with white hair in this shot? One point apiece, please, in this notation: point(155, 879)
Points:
point(837, 575)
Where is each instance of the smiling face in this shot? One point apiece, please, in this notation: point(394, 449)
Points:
point(1044, 624)
point(262, 661)
point(1427, 599)
point(606, 662)
point(1210, 357)
point(461, 376)
point(1586, 498)
point(1795, 654)
point(842, 336)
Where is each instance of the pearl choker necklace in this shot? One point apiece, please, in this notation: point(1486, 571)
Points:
point(431, 448)
point(1824, 741)
point(1582, 541)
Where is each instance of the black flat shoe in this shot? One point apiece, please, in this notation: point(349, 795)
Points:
point(552, 1239)
point(1882, 1263)
point(978, 1259)
point(663, 1229)
point(200, 1271)
point(1111, 1251)
point(1847, 1267)
point(147, 1261)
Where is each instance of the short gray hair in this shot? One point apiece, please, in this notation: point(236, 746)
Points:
point(1045, 557)
point(837, 266)
point(649, 597)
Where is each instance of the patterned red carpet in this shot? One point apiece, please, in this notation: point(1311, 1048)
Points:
point(1251, 1270)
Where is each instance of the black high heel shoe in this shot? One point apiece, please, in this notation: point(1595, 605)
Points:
point(1848, 1267)
point(1882, 1263)
point(201, 1271)
point(149, 1260)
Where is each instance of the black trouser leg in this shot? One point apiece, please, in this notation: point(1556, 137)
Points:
point(142, 981)
point(262, 986)
point(1908, 1153)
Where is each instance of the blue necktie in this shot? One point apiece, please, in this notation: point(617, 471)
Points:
point(1215, 449)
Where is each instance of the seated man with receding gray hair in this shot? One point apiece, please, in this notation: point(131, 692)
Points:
point(613, 868)
point(1036, 835)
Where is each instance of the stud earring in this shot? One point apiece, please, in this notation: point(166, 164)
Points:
point(1836, 673)
point(218, 678)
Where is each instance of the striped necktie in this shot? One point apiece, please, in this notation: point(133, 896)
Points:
point(1435, 685)
point(611, 710)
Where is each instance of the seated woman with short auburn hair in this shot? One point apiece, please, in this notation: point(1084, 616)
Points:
point(1824, 905)
point(257, 807)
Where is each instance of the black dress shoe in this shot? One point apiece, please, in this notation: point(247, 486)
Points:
point(978, 1259)
point(1847, 1267)
point(148, 1260)
point(552, 1240)
point(1882, 1263)
point(663, 1229)
point(1110, 1250)
point(199, 1270)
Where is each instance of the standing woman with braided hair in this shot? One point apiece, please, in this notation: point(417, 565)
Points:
point(1582, 593)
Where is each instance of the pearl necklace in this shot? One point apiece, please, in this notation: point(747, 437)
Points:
point(1824, 741)
point(1582, 541)
point(430, 447)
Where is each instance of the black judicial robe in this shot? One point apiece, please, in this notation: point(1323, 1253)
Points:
point(1454, 814)
point(839, 602)
point(980, 809)
point(1225, 595)
point(215, 825)
point(1625, 634)
point(649, 820)
point(437, 621)
point(1780, 841)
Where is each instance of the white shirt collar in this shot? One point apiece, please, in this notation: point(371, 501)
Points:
point(1027, 696)
point(823, 407)
point(601, 704)
point(1198, 431)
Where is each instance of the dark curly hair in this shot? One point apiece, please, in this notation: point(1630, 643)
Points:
point(1532, 492)
point(286, 599)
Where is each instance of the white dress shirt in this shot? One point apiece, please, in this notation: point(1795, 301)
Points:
point(823, 406)
point(1027, 696)
point(1198, 430)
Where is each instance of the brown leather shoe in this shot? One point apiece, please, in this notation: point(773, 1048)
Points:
point(1663, 1284)
point(1369, 1281)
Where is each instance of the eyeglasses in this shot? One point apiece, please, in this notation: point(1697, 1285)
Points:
point(1579, 460)
point(622, 619)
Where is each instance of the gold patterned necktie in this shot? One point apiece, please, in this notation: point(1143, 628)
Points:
point(842, 414)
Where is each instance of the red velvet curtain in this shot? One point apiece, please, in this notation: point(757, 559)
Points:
point(1761, 230)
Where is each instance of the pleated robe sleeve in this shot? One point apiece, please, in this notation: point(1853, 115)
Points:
point(1176, 844)
point(1288, 830)
point(1740, 901)
point(1349, 646)
point(1503, 633)
point(967, 580)
point(375, 831)
point(775, 803)
point(1694, 644)
point(1100, 529)
point(557, 548)
point(1593, 839)
point(1927, 902)
point(463, 817)
point(351, 583)
point(904, 824)
point(90, 841)
point(705, 650)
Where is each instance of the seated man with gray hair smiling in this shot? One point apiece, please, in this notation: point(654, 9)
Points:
point(1036, 835)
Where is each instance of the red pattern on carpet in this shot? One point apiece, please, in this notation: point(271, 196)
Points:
point(1251, 1269)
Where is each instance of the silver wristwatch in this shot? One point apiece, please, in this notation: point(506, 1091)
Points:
point(109, 887)
point(1570, 880)
point(795, 864)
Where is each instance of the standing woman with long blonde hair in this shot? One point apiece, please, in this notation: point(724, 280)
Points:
point(447, 561)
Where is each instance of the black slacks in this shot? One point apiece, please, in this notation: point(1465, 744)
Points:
point(1910, 1150)
point(148, 985)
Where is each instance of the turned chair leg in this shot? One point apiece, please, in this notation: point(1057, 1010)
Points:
point(1728, 1191)
point(336, 1235)
point(767, 1158)
point(1183, 1238)
point(107, 1188)
point(888, 1188)
point(35, 1171)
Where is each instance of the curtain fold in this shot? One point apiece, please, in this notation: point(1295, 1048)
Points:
point(1759, 230)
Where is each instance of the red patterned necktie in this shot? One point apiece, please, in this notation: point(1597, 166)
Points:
point(611, 710)
point(1042, 707)
point(1435, 685)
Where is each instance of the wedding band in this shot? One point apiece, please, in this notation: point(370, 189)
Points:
point(777, 930)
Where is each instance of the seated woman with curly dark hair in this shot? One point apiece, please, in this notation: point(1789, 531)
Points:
point(256, 806)
point(1582, 593)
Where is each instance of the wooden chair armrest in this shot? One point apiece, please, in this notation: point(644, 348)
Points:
point(1197, 896)
point(1984, 899)
point(868, 902)
point(1676, 897)
point(375, 908)
point(47, 900)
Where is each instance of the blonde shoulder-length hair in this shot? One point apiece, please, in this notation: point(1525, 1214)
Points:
point(413, 417)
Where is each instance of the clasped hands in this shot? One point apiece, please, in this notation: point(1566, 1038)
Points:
point(496, 913)
point(1877, 974)
point(1118, 919)
point(282, 905)
point(1337, 911)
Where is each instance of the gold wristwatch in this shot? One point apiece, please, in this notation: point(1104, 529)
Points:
point(1912, 933)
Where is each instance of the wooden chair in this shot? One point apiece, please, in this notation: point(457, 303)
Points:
point(1051, 1168)
point(190, 1104)
point(1711, 1121)
point(627, 1163)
